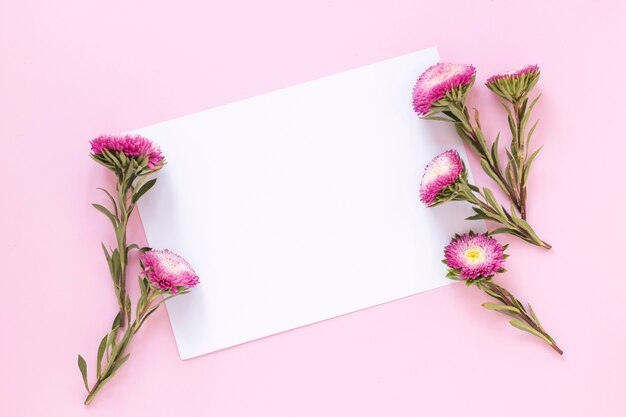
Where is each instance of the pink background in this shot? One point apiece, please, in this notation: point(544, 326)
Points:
point(72, 69)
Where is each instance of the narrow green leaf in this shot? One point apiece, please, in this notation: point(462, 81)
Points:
point(128, 307)
point(115, 265)
point(107, 213)
point(524, 224)
point(118, 364)
point(500, 307)
point(529, 163)
point(501, 230)
point(101, 349)
point(148, 315)
point(530, 134)
point(82, 365)
point(491, 199)
point(144, 189)
point(525, 327)
point(110, 198)
point(441, 119)
point(131, 247)
point(116, 322)
point(534, 316)
point(485, 165)
point(458, 115)
point(495, 147)
point(108, 258)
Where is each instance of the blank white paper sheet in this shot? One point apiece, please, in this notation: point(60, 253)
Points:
point(301, 205)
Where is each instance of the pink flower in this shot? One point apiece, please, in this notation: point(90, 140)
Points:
point(474, 256)
point(514, 74)
point(167, 271)
point(514, 86)
point(129, 145)
point(443, 170)
point(439, 80)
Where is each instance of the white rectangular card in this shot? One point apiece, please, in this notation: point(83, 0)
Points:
point(300, 205)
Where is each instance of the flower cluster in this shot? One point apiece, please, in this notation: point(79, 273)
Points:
point(168, 271)
point(439, 94)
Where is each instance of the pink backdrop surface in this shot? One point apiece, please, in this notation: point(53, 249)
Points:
point(73, 69)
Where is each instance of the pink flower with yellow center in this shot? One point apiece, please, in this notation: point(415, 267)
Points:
point(130, 145)
point(444, 170)
point(474, 256)
point(439, 80)
point(168, 271)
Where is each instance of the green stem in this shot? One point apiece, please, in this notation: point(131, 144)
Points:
point(501, 216)
point(507, 298)
point(520, 158)
point(474, 134)
point(121, 247)
point(118, 353)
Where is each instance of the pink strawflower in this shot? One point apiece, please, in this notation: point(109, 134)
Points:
point(513, 86)
point(439, 80)
point(514, 74)
point(167, 271)
point(130, 145)
point(474, 256)
point(443, 170)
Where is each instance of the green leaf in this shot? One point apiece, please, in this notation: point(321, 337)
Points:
point(131, 247)
point(525, 327)
point(501, 230)
point(118, 364)
point(524, 224)
point(116, 322)
point(534, 316)
point(500, 307)
point(530, 134)
point(107, 255)
point(128, 307)
point(101, 349)
point(510, 118)
point(485, 165)
point(144, 189)
point(82, 365)
point(529, 163)
point(110, 198)
point(148, 315)
point(491, 199)
point(492, 293)
point(109, 155)
point(494, 150)
point(107, 213)
point(115, 265)
point(441, 119)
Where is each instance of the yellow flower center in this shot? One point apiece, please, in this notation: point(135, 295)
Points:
point(474, 255)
